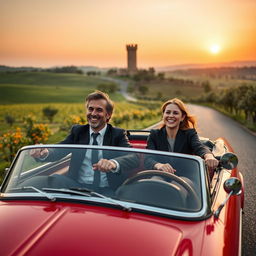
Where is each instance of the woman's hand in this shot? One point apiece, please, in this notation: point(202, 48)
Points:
point(211, 161)
point(164, 168)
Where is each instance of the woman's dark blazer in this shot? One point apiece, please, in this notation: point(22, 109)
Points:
point(186, 141)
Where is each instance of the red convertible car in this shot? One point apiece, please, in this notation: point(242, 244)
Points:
point(148, 212)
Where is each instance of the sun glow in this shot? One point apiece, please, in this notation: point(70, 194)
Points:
point(215, 49)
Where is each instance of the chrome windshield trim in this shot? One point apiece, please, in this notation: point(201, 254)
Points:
point(135, 150)
point(198, 159)
point(133, 206)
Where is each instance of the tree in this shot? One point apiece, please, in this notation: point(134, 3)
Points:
point(210, 97)
point(159, 95)
point(49, 113)
point(239, 95)
point(112, 71)
point(248, 104)
point(91, 73)
point(108, 88)
point(161, 75)
point(207, 87)
point(9, 119)
point(143, 89)
point(228, 99)
point(151, 71)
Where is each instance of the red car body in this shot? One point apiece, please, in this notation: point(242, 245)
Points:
point(42, 227)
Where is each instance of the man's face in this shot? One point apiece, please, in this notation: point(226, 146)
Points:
point(97, 115)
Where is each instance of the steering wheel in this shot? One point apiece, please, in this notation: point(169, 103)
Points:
point(167, 177)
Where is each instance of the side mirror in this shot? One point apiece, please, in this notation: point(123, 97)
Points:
point(232, 186)
point(229, 161)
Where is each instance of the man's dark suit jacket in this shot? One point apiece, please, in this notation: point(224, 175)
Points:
point(113, 137)
point(186, 141)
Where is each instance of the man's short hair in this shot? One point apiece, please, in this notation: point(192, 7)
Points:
point(98, 95)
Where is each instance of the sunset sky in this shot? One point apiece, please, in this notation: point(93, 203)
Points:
point(45, 33)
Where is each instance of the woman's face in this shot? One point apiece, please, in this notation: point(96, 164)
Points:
point(172, 116)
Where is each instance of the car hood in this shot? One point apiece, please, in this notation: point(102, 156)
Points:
point(55, 228)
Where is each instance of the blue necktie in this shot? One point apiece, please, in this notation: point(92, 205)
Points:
point(95, 159)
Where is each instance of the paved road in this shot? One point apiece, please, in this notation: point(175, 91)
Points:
point(212, 124)
point(123, 87)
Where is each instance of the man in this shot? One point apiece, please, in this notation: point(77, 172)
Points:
point(98, 131)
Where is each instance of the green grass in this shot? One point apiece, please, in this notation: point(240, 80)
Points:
point(170, 90)
point(219, 83)
point(43, 87)
point(11, 94)
point(48, 79)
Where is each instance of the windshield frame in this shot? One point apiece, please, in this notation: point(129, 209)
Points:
point(202, 213)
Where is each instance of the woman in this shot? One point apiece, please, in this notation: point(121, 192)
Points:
point(178, 134)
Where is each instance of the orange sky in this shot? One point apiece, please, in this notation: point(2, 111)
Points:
point(94, 32)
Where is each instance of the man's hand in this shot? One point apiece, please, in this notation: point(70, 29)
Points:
point(164, 168)
point(40, 153)
point(104, 165)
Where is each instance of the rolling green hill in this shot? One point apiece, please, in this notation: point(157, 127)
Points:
point(44, 87)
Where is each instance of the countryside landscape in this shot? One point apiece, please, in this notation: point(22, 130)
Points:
point(141, 53)
point(54, 99)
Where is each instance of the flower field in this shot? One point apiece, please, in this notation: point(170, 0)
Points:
point(30, 126)
point(124, 112)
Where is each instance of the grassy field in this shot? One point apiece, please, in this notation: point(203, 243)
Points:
point(43, 87)
point(48, 79)
point(24, 93)
point(170, 90)
point(216, 83)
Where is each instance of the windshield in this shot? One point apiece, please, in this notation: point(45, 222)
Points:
point(125, 175)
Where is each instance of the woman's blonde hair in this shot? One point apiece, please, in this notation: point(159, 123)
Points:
point(189, 120)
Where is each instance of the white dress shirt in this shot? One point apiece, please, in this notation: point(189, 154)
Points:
point(86, 173)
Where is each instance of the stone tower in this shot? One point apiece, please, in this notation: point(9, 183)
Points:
point(131, 58)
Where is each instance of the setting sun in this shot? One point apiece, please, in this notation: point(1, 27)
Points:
point(215, 49)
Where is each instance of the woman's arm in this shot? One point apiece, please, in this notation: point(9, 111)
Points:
point(203, 151)
point(196, 145)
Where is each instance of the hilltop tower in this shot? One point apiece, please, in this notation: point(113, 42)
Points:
point(131, 58)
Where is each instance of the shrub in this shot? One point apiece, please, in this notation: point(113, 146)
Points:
point(49, 113)
point(9, 119)
point(11, 142)
point(37, 133)
point(72, 120)
point(108, 88)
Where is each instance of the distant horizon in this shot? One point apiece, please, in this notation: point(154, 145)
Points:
point(235, 63)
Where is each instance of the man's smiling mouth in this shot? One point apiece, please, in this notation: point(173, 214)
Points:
point(93, 118)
